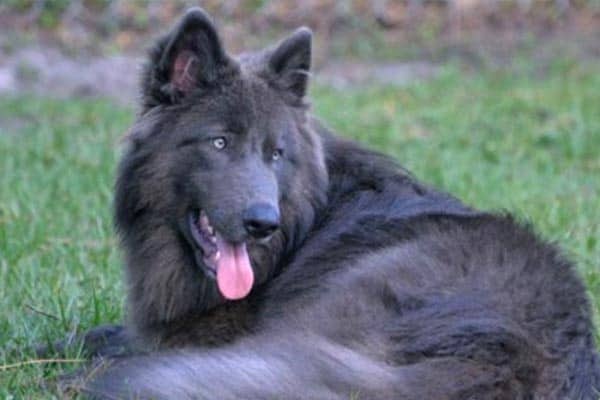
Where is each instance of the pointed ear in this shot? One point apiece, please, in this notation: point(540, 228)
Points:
point(289, 63)
point(188, 58)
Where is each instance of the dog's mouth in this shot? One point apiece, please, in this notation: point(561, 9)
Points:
point(228, 262)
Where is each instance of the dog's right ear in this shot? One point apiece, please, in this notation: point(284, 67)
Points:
point(189, 58)
point(289, 63)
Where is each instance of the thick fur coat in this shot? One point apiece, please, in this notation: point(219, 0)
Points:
point(372, 285)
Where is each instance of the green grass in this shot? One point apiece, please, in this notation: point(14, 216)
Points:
point(498, 140)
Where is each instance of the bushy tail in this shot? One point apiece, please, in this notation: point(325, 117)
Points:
point(253, 369)
point(297, 367)
point(458, 348)
point(454, 347)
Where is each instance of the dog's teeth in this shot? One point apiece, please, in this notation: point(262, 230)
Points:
point(204, 221)
point(217, 255)
point(210, 229)
point(213, 239)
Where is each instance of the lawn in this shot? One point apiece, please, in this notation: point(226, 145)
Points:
point(526, 141)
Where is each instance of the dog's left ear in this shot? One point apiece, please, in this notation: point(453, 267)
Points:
point(289, 63)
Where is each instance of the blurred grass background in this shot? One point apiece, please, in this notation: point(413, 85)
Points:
point(510, 120)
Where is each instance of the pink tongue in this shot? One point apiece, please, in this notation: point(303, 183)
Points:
point(234, 273)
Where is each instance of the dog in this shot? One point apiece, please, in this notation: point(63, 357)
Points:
point(268, 258)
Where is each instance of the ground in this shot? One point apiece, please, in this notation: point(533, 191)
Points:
point(519, 139)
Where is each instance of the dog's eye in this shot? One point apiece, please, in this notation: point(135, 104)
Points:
point(220, 143)
point(277, 153)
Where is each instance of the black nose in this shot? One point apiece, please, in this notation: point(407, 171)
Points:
point(261, 220)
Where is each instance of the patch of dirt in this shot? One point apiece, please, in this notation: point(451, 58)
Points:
point(341, 74)
point(48, 72)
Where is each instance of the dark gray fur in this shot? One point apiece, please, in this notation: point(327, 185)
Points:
point(376, 286)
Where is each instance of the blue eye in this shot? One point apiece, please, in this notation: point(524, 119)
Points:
point(220, 143)
point(277, 154)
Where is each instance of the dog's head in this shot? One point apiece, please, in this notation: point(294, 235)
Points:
point(222, 171)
